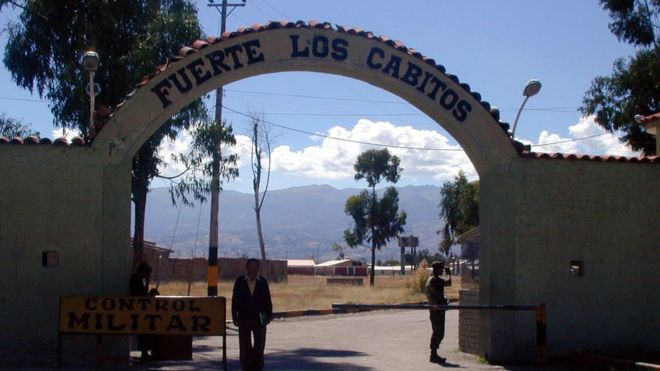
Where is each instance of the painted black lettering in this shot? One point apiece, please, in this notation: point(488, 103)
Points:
point(152, 318)
point(90, 303)
point(99, 321)
point(393, 66)
point(162, 90)
point(370, 58)
point(178, 305)
point(295, 51)
point(438, 84)
point(175, 324)
point(144, 303)
point(161, 304)
point(192, 307)
point(111, 324)
point(461, 111)
point(125, 304)
point(187, 84)
point(422, 86)
point(201, 323)
point(320, 46)
point(448, 99)
point(217, 60)
point(108, 304)
point(75, 321)
point(413, 72)
point(134, 322)
point(339, 49)
point(253, 54)
point(200, 75)
point(233, 51)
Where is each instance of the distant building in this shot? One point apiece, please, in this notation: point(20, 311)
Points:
point(469, 242)
point(158, 258)
point(470, 250)
point(301, 267)
point(338, 267)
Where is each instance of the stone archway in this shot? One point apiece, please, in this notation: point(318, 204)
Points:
point(317, 47)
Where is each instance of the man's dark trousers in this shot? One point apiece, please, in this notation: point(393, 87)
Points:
point(438, 326)
point(251, 355)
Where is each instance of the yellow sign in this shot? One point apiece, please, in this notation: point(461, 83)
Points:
point(128, 315)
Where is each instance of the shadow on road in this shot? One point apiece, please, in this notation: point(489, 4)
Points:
point(312, 359)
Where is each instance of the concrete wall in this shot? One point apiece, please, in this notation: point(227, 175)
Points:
point(468, 323)
point(606, 214)
point(56, 198)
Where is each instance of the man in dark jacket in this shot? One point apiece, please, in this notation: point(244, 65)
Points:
point(251, 310)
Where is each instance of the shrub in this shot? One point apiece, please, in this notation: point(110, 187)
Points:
point(420, 276)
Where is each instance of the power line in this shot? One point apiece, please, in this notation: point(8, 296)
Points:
point(344, 139)
point(24, 99)
point(570, 140)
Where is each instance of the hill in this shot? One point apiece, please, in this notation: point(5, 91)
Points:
point(299, 222)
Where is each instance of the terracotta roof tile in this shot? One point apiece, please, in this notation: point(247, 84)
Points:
point(61, 141)
point(579, 157)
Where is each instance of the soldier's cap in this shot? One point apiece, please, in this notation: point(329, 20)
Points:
point(437, 263)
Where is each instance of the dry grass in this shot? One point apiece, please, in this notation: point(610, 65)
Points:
point(312, 292)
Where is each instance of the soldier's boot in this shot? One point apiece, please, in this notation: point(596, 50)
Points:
point(435, 358)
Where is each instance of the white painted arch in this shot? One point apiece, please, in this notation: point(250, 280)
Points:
point(314, 48)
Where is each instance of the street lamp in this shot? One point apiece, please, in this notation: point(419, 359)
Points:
point(91, 63)
point(532, 88)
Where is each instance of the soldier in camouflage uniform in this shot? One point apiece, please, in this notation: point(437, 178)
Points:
point(435, 293)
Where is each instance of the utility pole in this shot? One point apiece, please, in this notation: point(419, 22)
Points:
point(215, 167)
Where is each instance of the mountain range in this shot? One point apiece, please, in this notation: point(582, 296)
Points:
point(299, 223)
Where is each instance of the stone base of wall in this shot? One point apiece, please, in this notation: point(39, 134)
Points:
point(468, 323)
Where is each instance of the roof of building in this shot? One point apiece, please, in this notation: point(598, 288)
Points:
point(199, 45)
point(331, 263)
point(470, 236)
point(152, 246)
point(300, 263)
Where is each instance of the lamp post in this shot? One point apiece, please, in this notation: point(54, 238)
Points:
point(532, 88)
point(91, 63)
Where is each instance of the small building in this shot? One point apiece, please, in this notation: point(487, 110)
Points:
point(469, 242)
point(301, 267)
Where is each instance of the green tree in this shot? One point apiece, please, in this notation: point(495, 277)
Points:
point(375, 221)
point(634, 85)
point(44, 51)
point(195, 183)
point(459, 208)
point(11, 127)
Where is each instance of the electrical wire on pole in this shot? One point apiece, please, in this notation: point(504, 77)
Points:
point(214, 229)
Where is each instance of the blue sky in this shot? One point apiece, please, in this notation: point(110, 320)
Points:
point(494, 46)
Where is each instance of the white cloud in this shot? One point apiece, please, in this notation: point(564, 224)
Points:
point(600, 143)
point(68, 134)
point(171, 148)
point(333, 159)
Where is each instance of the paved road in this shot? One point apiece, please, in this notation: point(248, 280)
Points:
point(382, 340)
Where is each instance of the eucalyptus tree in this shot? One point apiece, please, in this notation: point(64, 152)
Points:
point(375, 221)
point(634, 86)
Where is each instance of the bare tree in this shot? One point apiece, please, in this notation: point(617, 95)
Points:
point(260, 151)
